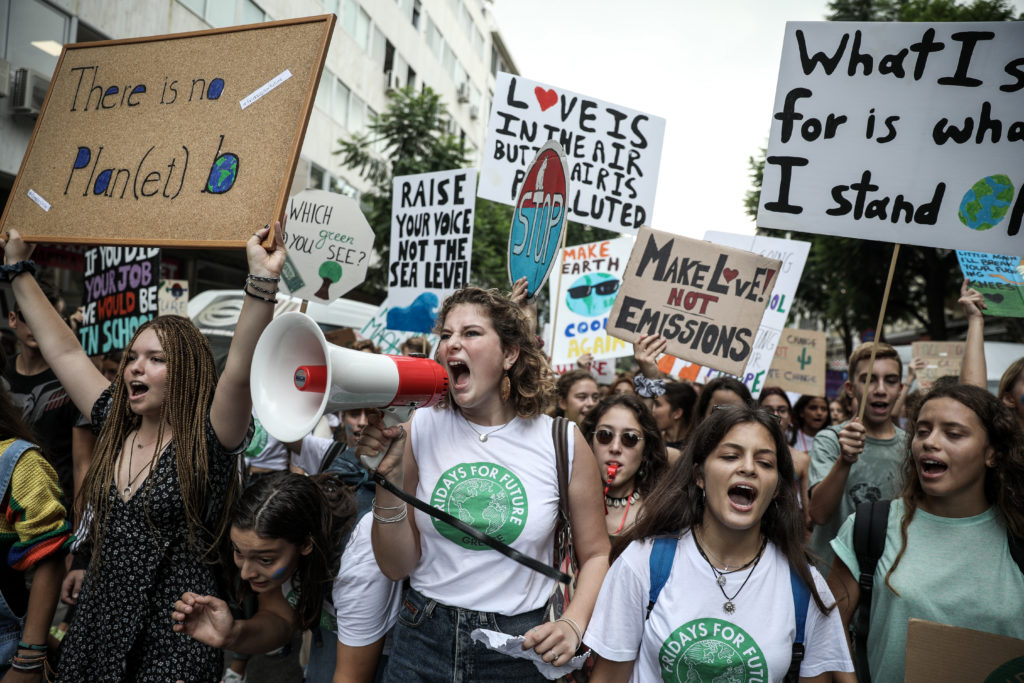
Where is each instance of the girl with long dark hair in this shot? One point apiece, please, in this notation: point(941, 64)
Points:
point(727, 606)
point(947, 546)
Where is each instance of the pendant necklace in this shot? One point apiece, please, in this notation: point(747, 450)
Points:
point(482, 436)
point(127, 490)
point(729, 606)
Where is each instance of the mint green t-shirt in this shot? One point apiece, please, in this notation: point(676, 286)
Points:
point(877, 475)
point(954, 571)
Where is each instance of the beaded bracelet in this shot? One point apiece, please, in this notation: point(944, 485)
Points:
point(374, 505)
point(262, 278)
point(15, 269)
point(256, 288)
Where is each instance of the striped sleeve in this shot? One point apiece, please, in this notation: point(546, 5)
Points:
point(34, 514)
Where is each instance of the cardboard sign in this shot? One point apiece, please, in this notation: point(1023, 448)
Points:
point(389, 341)
point(799, 362)
point(172, 298)
point(177, 140)
point(538, 223)
point(120, 294)
point(584, 293)
point(329, 246)
point(431, 244)
point(1000, 279)
point(793, 254)
point(705, 300)
point(899, 132)
point(602, 370)
point(937, 652)
point(941, 358)
point(613, 152)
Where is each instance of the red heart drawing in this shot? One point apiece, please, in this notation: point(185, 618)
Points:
point(730, 274)
point(545, 98)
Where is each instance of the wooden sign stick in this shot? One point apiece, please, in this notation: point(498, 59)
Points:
point(878, 331)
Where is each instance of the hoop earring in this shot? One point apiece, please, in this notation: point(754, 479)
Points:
point(506, 389)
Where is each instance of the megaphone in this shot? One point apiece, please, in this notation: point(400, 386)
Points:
point(297, 376)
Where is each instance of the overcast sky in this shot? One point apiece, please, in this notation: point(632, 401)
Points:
point(709, 68)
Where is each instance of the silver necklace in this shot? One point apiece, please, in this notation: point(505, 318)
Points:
point(729, 606)
point(127, 490)
point(483, 435)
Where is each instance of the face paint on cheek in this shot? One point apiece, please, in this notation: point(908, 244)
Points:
point(279, 573)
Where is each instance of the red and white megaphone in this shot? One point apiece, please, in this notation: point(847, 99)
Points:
point(297, 376)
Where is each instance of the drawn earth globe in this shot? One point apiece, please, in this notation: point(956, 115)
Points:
point(987, 202)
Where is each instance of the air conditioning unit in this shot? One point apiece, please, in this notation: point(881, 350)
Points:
point(391, 81)
point(452, 127)
point(463, 92)
point(29, 92)
point(474, 111)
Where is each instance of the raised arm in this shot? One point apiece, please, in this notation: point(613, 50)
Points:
point(232, 402)
point(58, 344)
point(209, 620)
point(973, 369)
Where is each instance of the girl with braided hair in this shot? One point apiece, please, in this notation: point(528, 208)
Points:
point(162, 478)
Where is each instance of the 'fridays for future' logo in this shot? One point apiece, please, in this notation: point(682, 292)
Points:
point(711, 651)
point(486, 496)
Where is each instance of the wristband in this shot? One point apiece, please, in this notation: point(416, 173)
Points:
point(648, 388)
point(15, 269)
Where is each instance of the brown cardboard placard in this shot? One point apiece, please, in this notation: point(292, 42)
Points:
point(938, 652)
point(706, 300)
point(799, 362)
point(186, 140)
point(941, 359)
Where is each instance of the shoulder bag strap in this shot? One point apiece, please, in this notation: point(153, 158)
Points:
point(662, 555)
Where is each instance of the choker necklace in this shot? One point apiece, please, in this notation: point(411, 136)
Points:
point(729, 606)
point(624, 501)
point(483, 435)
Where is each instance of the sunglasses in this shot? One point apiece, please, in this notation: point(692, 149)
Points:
point(628, 439)
point(603, 288)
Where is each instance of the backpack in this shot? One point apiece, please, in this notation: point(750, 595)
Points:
point(870, 526)
point(664, 552)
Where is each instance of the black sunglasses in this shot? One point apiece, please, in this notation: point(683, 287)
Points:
point(628, 439)
point(603, 288)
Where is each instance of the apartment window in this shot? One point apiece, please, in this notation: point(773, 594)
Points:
point(221, 13)
point(331, 6)
point(35, 34)
point(323, 92)
point(434, 39)
point(478, 42)
point(356, 114)
point(356, 23)
point(379, 52)
point(339, 108)
point(448, 61)
point(417, 12)
point(251, 13)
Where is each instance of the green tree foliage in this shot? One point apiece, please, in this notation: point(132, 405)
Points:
point(410, 137)
point(844, 279)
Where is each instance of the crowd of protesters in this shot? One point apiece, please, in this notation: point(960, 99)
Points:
point(712, 533)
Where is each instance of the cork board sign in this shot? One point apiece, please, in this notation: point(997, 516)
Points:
point(186, 140)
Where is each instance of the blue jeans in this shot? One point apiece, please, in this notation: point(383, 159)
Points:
point(432, 644)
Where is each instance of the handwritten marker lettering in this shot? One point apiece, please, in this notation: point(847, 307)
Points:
point(43, 204)
point(264, 89)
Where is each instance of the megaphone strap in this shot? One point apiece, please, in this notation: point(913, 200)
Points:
point(536, 565)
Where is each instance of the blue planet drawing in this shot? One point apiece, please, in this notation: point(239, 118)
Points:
point(987, 202)
point(593, 294)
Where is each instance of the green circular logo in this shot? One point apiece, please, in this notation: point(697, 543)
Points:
point(259, 439)
point(708, 650)
point(486, 496)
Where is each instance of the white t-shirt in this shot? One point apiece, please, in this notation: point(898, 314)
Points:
point(507, 488)
point(264, 450)
point(312, 453)
point(689, 633)
point(365, 601)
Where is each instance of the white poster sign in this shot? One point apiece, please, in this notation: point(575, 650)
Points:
point(591, 276)
point(329, 245)
point(899, 132)
point(431, 244)
point(613, 152)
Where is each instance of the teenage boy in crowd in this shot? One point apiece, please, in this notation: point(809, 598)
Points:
point(859, 460)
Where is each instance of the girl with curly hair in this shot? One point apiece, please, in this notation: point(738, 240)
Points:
point(487, 456)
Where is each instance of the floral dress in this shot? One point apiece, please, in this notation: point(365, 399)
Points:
point(122, 625)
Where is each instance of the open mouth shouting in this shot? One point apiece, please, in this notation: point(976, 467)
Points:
point(742, 496)
point(458, 374)
point(137, 390)
point(931, 468)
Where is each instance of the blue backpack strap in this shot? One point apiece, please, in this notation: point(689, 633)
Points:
point(662, 555)
point(8, 459)
point(801, 601)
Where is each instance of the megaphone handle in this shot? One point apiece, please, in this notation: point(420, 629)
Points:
point(392, 416)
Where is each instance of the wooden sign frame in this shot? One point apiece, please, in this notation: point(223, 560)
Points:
point(240, 97)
